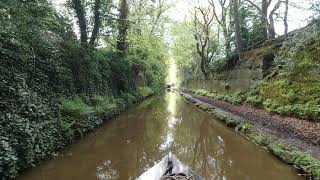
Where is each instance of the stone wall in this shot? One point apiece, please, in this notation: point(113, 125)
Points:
point(246, 73)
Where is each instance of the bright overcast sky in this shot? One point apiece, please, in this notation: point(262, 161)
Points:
point(297, 17)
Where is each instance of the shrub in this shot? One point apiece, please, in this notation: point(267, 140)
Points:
point(75, 118)
point(105, 106)
point(232, 97)
point(8, 159)
point(145, 91)
point(128, 97)
point(75, 108)
point(254, 100)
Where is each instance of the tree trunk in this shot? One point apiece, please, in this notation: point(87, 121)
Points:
point(227, 39)
point(271, 28)
point(231, 21)
point(203, 38)
point(122, 44)
point(272, 31)
point(264, 20)
point(203, 58)
point(237, 29)
point(80, 13)
point(285, 19)
point(222, 22)
point(204, 69)
point(97, 22)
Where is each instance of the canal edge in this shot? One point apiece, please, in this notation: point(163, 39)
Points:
point(299, 158)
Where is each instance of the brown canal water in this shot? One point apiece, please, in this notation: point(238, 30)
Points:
point(134, 141)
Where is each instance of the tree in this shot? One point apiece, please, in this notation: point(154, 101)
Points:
point(145, 13)
point(162, 6)
point(271, 28)
point(237, 29)
point(263, 10)
point(222, 21)
point(267, 21)
point(285, 19)
point(97, 22)
point(123, 25)
point(315, 7)
point(203, 22)
point(264, 20)
point(184, 51)
point(80, 11)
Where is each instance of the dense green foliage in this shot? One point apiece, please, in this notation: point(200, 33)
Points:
point(184, 52)
point(250, 26)
point(53, 90)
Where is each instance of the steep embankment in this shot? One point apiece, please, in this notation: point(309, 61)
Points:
point(53, 89)
point(282, 77)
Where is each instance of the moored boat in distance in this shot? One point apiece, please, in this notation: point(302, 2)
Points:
point(170, 87)
point(170, 168)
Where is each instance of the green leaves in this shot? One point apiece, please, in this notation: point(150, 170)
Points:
point(42, 63)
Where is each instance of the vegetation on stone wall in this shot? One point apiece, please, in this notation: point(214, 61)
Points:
point(294, 88)
point(291, 85)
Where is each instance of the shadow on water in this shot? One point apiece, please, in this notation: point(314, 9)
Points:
point(135, 140)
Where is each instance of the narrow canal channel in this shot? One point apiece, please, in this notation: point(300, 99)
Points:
point(131, 143)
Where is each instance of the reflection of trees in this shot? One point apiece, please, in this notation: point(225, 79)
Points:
point(196, 141)
point(198, 144)
point(132, 141)
point(129, 144)
point(105, 171)
point(208, 151)
point(147, 129)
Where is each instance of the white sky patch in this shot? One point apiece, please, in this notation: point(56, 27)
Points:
point(297, 17)
point(58, 3)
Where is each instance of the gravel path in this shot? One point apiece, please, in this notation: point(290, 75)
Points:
point(297, 131)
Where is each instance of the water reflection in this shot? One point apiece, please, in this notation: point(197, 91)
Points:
point(138, 138)
point(105, 171)
point(171, 98)
point(172, 121)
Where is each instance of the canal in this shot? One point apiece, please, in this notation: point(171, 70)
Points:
point(126, 146)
